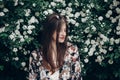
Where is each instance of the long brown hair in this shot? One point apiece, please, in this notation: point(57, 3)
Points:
point(53, 23)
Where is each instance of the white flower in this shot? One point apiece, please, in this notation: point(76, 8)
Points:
point(83, 20)
point(50, 11)
point(33, 20)
point(113, 20)
point(96, 53)
point(89, 35)
point(2, 14)
point(117, 17)
point(82, 13)
point(119, 22)
point(112, 41)
point(70, 14)
point(20, 36)
point(86, 30)
point(76, 3)
point(58, 0)
point(87, 41)
point(63, 3)
point(111, 6)
point(86, 60)
point(90, 53)
point(109, 12)
point(16, 58)
point(99, 59)
point(34, 4)
point(21, 20)
point(24, 27)
point(6, 24)
point(45, 12)
point(92, 41)
point(28, 51)
point(110, 61)
point(85, 49)
point(12, 36)
point(25, 52)
point(27, 12)
point(26, 36)
point(29, 31)
point(22, 3)
point(37, 13)
point(100, 18)
point(31, 27)
point(115, 3)
point(87, 11)
point(104, 51)
point(93, 28)
point(117, 41)
point(103, 37)
point(70, 37)
point(69, 9)
point(92, 49)
point(105, 0)
point(16, 2)
point(22, 40)
point(5, 10)
point(92, 5)
point(69, 4)
point(17, 32)
point(25, 69)
point(20, 48)
point(34, 55)
point(110, 48)
point(118, 10)
point(23, 64)
point(72, 21)
point(77, 14)
point(53, 4)
point(77, 24)
point(15, 49)
point(118, 28)
point(63, 12)
point(107, 15)
point(102, 42)
point(118, 32)
point(2, 29)
point(68, 20)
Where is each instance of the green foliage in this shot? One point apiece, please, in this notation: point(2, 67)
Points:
point(94, 25)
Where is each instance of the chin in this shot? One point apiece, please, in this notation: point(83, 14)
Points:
point(62, 41)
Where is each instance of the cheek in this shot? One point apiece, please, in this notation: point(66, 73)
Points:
point(60, 34)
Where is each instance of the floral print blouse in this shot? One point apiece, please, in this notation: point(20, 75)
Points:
point(70, 70)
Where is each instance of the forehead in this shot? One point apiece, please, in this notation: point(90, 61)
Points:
point(63, 25)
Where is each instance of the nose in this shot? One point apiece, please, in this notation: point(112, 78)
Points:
point(63, 33)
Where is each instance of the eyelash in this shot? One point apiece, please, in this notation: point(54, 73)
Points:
point(63, 30)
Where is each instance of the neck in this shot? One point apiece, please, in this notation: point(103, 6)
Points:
point(53, 43)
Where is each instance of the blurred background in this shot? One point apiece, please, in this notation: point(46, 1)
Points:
point(94, 26)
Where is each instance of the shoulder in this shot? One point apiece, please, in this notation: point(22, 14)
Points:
point(72, 48)
point(36, 54)
point(72, 52)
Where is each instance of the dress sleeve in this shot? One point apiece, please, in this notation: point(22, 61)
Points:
point(75, 64)
point(33, 66)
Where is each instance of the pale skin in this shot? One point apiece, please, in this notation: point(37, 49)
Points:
point(62, 34)
point(61, 39)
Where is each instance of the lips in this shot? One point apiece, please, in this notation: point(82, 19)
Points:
point(62, 37)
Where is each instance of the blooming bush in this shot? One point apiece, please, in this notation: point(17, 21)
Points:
point(94, 26)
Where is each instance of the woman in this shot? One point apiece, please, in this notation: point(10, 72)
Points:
point(57, 59)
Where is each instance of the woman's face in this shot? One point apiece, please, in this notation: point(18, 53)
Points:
point(62, 34)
